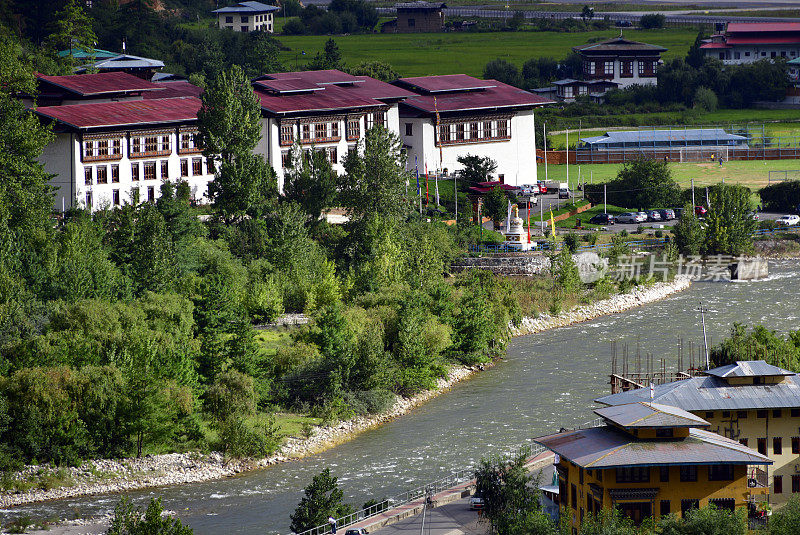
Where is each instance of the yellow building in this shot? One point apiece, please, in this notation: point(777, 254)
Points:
point(648, 460)
point(751, 402)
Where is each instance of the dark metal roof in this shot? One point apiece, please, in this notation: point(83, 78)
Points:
point(247, 7)
point(125, 113)
point(289, 85)
point(674, 136)
point(446, 83)
point(99, 83)
point(609, 447)
point(175, 88)
point(710, 393)
point(647, 415)
point(123, 61)
point(618, 44)
point(748, 368)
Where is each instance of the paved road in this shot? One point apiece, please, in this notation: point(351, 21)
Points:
point(454, 518)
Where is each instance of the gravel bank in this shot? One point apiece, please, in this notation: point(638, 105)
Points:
point(114, 476)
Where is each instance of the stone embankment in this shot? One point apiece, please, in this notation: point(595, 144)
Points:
point(111, 476)
point(613, 305)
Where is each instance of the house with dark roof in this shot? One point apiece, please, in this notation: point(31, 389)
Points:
point(416, 17)
point(649, 459)
point(611, 64)
point(83, 88)
point(326, 110)
point(752, 402)
point(454, 115)
point(108, 153)
point(247, 17)
point(144, 68)
point(746, 42)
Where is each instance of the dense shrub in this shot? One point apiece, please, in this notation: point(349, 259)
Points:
point(781, 196)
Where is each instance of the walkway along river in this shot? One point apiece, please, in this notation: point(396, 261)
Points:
point(546, 382)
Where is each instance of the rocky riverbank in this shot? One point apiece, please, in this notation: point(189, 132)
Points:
point(113, 476)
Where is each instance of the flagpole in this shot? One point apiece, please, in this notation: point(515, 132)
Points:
point(544, 134)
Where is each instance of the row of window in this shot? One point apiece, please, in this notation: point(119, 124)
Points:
point(688, 474)
point(115, 199)
point(140, 146)
point(246, 18)
point(329, 131)
point(101, 174)
point(777, 484)
point(761, 413)
point(772, 54)
point(474, 131)
point(331, 153)
point(644, 68)
point(777, 445)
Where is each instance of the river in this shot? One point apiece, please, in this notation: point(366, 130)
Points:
point(547, 381)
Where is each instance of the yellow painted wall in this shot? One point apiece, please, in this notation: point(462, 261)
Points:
point(674, 490)
point(747, 425)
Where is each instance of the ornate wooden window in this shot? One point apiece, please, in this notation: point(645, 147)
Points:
point(335, 130)
point(184, 167)
point(460, 130)
point(88, 175)
point(473, 131)
point(135, 171)
point(287, 134)
point(333, 155)
point(115, 173)
point(305, 133)
point(444, 133)
point(102, 174)
point(608, 67)
point(502, 128)
point(115, 197)
point(320, 131)
point(187, 141)
point(149, 170)
point(149, 144)
point(164, 169)
point(626, 68)
point(99, 147)
point(353, 128)
point(197, 166)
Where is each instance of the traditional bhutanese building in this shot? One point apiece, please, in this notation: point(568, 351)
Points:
point(751, 402)
point(326, 110)
point(746, 42)
point(247, 17)
point(479, 117)
point(647, 460)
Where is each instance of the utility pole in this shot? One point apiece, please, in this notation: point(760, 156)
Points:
point(568, 157)
point(605, 200)
point(703, 311)
point(544, 135)
point(693, 205)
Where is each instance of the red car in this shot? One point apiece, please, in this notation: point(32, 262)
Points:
point(700, 210)
point(542, 188)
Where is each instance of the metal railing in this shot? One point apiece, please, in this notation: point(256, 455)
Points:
point(461, 476)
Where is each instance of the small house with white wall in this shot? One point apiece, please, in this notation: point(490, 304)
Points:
point(326, 110)
point(746, 42)
point(247, 17)
point(478, 117)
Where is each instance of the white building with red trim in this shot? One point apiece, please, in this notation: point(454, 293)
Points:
point(480, 117)
point(746, 42)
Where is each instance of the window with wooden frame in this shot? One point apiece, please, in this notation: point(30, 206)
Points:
point(101, 148)
point(150, 144)
point(633, 474)
point(151, 193)
point(333, 155)
point(149, 170)
point(626, 69)
point(335, 130)
point(287, 134)
point(164, 169)
point(487, 130)
point(444, 133)
point(135, 171)
point(353, 131)
point(473, 131)
point(796, 445)
point(197, 166)
point(102, 174)
point(286, 159)
point(115, 197)
point(688, 473)
point(460, 131)
point(588, 68)
point(320, 131)
point(502, 128)
point(88, 175)
point(777, 483)
point(115, 173)
point(608, 67)
point(305, 133)
point(184, 167)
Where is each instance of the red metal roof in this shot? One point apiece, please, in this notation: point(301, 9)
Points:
point(322, 91)
point(175, 88)
point(446, 83)
point(734, 27)
point(126, 113)
point(495, 95)
point(763, 39)
point(714, 45)
point(100, 83)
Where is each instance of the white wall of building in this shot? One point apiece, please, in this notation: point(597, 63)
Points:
point(515, 157)
point(246, 23)
point(63, 159)
point(739, 55)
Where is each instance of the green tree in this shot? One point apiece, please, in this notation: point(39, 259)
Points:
point(730, 221)
point(128, 520)
point(565, 271)
point(696, 56)
point(310, 181)
point(705, 99)
point(374, 69)
point(375, 176)
point(476, 168)
point(607, 522)
point(652, 21)
point(495, 204)
point(502, 71)
point(322, 499)
point(72, 29)
point(706, 521)
point(786, 520)
point(229, 128)
point(587, 13)
point(260, 54)
point(644, 183)
point(689, 232)
point(516, 21)
point(330, 58)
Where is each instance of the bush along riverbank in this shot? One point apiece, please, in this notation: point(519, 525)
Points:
point(109, 476)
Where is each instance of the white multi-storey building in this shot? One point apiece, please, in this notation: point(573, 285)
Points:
point(110, 153)
point(326, 110)
point(478, 117)
point(746, 42)
point(247, 17)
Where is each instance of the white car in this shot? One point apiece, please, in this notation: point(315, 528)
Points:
point(529, 189)
point(789, 220)
point(476, 502)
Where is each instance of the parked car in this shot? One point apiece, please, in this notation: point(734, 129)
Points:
point(678, 212)
point(542, 188)
point(476, 502)
point(700, 210)
point(653, 215)
point(754, 215)
point(602, 219)
point(563, 193)
point(356, 531)
point(788, 220)
point(667, 214)
point(628, 217)
point(529, 189)
point(641, 217)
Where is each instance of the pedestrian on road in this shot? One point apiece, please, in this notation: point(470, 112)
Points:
point(332, 522)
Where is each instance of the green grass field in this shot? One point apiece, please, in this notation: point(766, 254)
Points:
point(752, 173)
point(467, 53)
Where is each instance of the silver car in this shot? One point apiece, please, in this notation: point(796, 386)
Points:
point(628, 217)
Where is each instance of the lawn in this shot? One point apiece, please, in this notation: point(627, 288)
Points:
point(587, 215)
point(467, 53)
point(751, 173)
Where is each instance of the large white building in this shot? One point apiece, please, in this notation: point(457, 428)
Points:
point(479, 117)
point(746, 42)
point(109, 153)
point(326, 110)
point(247, 17)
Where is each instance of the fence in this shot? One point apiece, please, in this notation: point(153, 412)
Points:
point(780, 176)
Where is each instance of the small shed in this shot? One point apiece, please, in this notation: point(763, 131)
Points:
point(416, 17)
